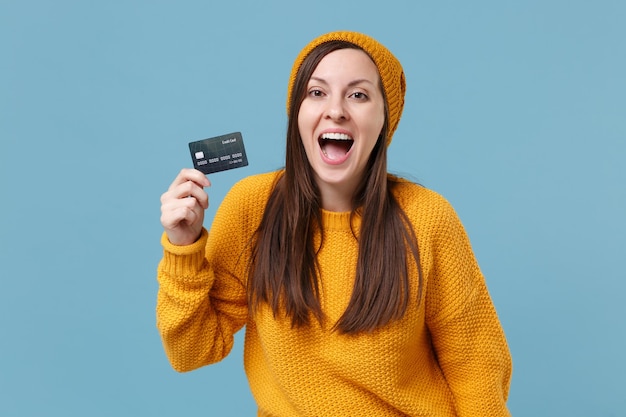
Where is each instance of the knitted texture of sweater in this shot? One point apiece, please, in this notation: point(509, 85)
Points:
point(447, 356)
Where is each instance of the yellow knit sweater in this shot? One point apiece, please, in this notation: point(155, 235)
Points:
point(446, 357)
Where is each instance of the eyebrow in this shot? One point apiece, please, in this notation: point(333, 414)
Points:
point(350, 84)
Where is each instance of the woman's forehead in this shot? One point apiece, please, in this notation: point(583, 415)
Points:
point(346, 64)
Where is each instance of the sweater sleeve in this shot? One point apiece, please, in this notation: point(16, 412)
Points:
point(467, 336)
point(197, 326)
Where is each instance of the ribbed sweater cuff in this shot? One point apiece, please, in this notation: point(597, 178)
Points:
point(183, 261)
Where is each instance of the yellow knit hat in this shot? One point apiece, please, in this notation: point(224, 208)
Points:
point(389, 68)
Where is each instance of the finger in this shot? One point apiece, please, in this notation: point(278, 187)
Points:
point(188, 174)
point(180, 211)
point(187, 189)
point(172, 204)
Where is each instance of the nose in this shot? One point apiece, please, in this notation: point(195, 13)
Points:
point(335, 110)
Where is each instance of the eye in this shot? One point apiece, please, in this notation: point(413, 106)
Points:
point(359, 95)
point(316, 93)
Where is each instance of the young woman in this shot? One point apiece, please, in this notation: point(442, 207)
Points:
point(359, 290)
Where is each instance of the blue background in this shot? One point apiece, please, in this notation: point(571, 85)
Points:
point(515, 112)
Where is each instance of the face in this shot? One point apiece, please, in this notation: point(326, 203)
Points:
point(341, 119)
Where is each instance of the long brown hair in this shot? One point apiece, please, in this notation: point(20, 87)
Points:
point(284, 270)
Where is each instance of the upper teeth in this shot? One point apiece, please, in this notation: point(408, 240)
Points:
point(336, 136)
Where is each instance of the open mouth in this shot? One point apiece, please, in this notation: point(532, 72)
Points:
point(335, 146)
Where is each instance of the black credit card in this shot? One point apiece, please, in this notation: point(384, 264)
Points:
point(219, 153)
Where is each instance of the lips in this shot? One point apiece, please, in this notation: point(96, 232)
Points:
point(335, 146)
